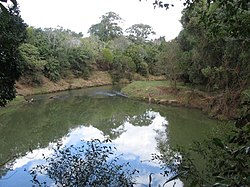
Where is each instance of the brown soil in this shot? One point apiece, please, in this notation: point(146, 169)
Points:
point(98, 78)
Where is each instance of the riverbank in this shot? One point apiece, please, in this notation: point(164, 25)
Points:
point(98, 78)
point(152, 89)
point(161, 92)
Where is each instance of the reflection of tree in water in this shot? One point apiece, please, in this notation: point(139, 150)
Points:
point(141, 119)
point(144, 119)
point(91, 164)
point(94, 163)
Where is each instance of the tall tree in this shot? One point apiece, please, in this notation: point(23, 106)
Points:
point(12, 34)
point(170, 57)
point(140, 32)
point(108, 28)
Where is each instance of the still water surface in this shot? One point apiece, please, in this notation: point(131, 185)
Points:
point(29, 130)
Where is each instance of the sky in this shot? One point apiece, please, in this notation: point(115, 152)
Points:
point(79, 15)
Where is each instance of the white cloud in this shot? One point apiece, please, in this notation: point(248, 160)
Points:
point(79, 15)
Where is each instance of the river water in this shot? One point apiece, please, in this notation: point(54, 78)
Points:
point(28, 131)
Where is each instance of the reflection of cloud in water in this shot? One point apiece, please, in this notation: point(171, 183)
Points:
point(35, 155)
point(82, 133)
point(135, 143)
point(140, 140)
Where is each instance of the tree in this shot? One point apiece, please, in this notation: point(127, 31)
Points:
point(13, 33)
point(119, 44)
point(215, 17)
point(137, 54)
point(105, 60)
point(108, 28)
point(61, 49)
point(170, 58)
point(140, 32)
point(122, 67)
point(33, 66)
point(152, 52)
point(80, 60)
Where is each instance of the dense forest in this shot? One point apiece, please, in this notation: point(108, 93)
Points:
point(211, 53)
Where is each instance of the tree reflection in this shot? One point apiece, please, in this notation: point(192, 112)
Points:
point(91, 164)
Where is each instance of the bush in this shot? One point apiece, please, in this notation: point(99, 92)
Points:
point(80, 62)
point(143, 69)
point(117, 72)
point(52, 69)
point(105, 62)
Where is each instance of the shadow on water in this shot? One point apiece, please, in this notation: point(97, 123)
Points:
point(32, 130)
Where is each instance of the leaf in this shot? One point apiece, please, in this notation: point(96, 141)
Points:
point(218, 142)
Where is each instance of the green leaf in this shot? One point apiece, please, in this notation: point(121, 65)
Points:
point(218, 142)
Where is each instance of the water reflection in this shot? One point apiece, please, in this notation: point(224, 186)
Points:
point(134, 143)
point(137, 129)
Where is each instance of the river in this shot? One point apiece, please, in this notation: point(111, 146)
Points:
point(28, 131)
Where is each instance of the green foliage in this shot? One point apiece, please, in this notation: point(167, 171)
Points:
point(12, 35)
point(80, 62)
point(119, 44)
point(122, 67)
point(52, 69)
point(143, 69)
point(215, 57)
point(116, 74)
point(105, 60)
point(64, 51)
point(170, 57)
point(137, 53)
point(33, 66)
point(220, 16)
point(31, 57)
point(213, 75)
point(107, 55)
point(152, 54)
point(108, 28)
point(94, 46)
point(128, 64)
point(139, 33)
point(91, 164)
point(229, 159)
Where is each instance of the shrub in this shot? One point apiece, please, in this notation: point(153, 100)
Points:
point(143, 69)
point(52, 69)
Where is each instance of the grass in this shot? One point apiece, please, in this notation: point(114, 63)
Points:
point(17, 100)
point(161, 92)
point(157, 89)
